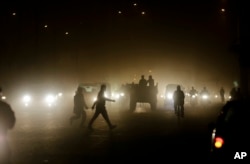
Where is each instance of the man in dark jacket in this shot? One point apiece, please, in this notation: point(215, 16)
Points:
point(101, 108)
point(179, 97)
point(7, 122)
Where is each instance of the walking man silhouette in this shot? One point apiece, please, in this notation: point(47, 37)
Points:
point(101, 108)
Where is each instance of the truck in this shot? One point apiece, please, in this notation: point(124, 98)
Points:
point(143, 94)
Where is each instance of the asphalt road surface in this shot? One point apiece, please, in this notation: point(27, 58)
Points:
point(45, 136)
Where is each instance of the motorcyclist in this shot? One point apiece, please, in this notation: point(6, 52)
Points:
point(193, 95)
point(204, 91)
point(204, 95)
point(193, 91)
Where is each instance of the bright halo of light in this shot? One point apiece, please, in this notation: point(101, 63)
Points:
point(218, 142)
point(3, 98)
point(204, 97)
point(26, 100)
point(170, 96)
point(50, 100)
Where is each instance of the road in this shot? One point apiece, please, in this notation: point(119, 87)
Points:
point(45, 136)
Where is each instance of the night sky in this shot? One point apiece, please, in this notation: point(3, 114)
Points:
point(118, 41)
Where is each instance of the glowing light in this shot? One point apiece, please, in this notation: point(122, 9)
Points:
point(135, 4)
point(204, 96)
point(218, 142)
point(26, 100)
point(119, 12)
point(50, 100)
point(45, 26)
point(143, 12)
point(170, 96)
point(14, 14)
point(105, 94)
point(66, 33)
point(3, 97)
point(223, 10)
point(115, 95)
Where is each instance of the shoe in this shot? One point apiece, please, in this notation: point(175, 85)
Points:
point(112, 127)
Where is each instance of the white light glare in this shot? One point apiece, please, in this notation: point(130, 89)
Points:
point(204, 96)
point(26, 100)
point(50, 99)
point(170, 96)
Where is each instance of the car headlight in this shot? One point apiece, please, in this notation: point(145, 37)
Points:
point(3, 97)
point(59, 94)
point(204, 97)
point(50, 100)
point(115, 95)
point(26, 100)
point(170, 96)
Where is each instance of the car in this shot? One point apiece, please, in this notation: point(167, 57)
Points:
point(141, 94)
point(230, 132)
point(37, 98)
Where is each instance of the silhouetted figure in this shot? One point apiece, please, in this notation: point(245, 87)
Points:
point(151, 81)
point(204, 91)
point(179, 97)
point(101, 108)
point(79, 106)
point(143, 82)
point(222, 94)
point(205, 97)
point(193, 91)
point(193, 96)
point(7, 122)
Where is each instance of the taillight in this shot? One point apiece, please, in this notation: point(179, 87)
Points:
point(218, 142)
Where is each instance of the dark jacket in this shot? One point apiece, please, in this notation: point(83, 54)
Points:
point(7, 117)
point(179, 97)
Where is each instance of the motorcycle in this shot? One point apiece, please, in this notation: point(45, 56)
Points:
point(194, 99)
point(205, 99)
